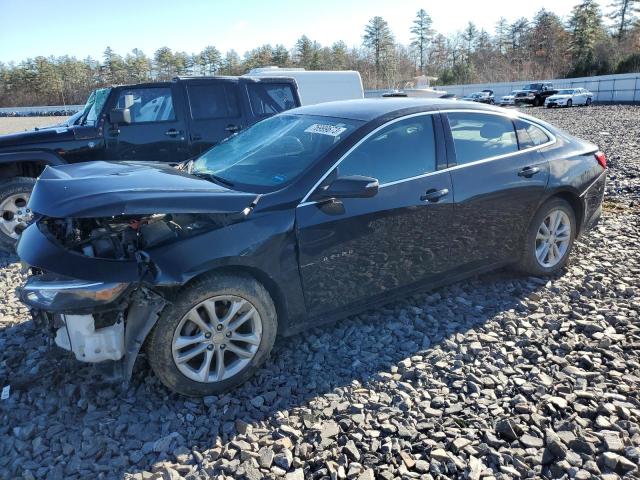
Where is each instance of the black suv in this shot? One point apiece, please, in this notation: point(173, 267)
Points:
point(167, 122)
point(534, 94)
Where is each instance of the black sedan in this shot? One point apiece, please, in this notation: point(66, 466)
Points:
point(303, 218)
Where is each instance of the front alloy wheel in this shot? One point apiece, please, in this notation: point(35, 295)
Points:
point(217, 339)
point(213, 335)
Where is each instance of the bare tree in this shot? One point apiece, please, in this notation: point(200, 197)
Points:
point(422, 34)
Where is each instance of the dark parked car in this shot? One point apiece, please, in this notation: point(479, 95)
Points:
point(167, 122)
point(534, 94)
point(485, 96)
point(305, 217)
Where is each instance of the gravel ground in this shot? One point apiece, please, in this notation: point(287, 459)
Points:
point(20, 124)
point(497, 377)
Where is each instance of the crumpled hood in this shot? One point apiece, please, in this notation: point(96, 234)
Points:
point(42, 135)
point(104, 189)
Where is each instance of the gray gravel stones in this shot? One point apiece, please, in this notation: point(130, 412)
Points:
point(501, 376)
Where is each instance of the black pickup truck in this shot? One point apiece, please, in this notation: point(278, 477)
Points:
point(534, 94)
point(167, 122)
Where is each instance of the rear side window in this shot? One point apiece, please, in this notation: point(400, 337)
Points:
point(399, 151)
point(214, 100)
point(270, 98)
point(477, 136)
point(529, 135)
point(147, 104)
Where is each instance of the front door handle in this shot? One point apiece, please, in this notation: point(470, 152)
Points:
point(433, 195)
point(233, 128)
point(528, 172)
point(172, 132)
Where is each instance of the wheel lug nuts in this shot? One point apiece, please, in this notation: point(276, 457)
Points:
point(228, 334)
point(209, 347)
point(207, 335)
point(219, 327)
point(223, 346)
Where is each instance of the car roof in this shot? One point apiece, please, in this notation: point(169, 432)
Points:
point(368, 109)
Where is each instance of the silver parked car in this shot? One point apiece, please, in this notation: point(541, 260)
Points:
point(509, 99)
point(569, 97)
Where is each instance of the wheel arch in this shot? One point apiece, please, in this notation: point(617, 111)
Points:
point(260, 276)
point(573, 199)
point(27, 164)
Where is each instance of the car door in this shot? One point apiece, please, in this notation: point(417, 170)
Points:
point(355, 248)
point(497, 183)
point(215, 111)
point(157, 128)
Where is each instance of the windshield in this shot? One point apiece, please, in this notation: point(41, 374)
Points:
point(273, 152)
point(533, 86)
point(565, 92)
point(94, 105)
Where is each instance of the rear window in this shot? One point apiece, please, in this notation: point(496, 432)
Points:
point(529, 135)
point(477, 136)
point(270, 98)
point(214, 100)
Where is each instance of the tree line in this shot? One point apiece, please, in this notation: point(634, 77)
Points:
point(589, 42)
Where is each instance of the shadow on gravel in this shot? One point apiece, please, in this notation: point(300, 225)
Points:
point(60, 407)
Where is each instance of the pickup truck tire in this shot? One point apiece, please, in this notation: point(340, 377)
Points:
point(214, 336)
point(537, 102)
point(14, 216)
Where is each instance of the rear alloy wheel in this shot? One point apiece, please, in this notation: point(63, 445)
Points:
point(14, 214)
point(588, 102)
point(216, 333)
point(569, 103)
point(549, 238)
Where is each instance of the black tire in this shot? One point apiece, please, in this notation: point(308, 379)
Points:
point(537, 102)
point(159, 344)
point(588, 102)
point(528, 262)
point(569, 103)
point(8, 188)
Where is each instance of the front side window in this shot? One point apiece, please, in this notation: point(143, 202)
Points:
point(404, 149)
point(147, 104)
point(273, 152)
point(529, 135)
point(477, 136)
point(213, 100)
point(270, 98)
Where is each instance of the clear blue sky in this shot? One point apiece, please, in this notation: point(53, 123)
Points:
point(29, 28)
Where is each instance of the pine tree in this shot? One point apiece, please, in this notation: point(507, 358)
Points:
point(585, 26)
point(379, 40)
point(422, 35)
point(624, 15)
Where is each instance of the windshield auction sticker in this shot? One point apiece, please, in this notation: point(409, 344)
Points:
point(323, 129)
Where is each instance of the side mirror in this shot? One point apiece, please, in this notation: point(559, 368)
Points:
point(120, 116)
point(352, 186)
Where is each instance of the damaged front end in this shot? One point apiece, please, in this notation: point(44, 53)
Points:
point(94, 284)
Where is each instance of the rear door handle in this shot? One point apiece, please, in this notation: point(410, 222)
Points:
point(528, 172)
point(434, 195)
point(173, 133)
point(233, 128)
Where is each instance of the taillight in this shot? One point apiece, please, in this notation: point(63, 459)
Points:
point(601, 158)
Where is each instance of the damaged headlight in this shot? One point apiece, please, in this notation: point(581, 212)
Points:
point(44, 292)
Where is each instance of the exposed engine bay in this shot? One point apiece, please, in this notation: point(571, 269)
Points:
point(120, 237)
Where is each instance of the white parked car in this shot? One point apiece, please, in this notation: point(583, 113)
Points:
point(509, 99)
point(567, 97)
